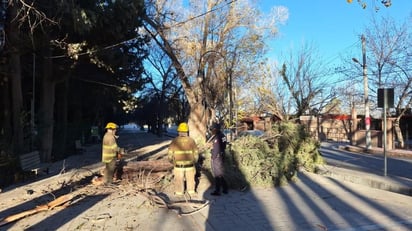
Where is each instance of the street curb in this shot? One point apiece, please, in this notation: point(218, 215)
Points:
point(400, 185)
point(378, 151)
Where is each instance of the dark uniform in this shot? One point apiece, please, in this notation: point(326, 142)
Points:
point(219, 143)
point(183, 153)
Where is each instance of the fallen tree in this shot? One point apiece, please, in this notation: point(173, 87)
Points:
point(146, 173)
point(144, 177)
point(148, 165)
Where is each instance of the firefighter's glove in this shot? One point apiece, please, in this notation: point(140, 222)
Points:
point(120, 153)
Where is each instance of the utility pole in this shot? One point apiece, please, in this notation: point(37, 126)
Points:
point(385, 130)
point(230, 106)
point(366, 97)
point(365, 88)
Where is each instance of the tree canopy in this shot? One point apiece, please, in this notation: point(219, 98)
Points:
point(211, 45)
point(67, 66)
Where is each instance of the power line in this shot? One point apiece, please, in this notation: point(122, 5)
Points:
point(333, 58)
point(94, 51)
point(129, 40)
point(203, 14)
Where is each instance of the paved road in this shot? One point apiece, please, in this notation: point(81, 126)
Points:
point(396, 167)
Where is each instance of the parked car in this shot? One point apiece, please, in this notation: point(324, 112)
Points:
point(257, 133)
point(229, 136)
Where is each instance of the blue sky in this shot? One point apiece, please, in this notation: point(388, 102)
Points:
point(333, 27)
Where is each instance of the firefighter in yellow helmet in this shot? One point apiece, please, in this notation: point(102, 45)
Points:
point(183, 153)
point(110, 151)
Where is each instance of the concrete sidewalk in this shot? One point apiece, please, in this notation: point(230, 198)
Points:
point(315, 202)
point(365, 178)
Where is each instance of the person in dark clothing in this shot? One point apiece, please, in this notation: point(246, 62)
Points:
point(219, 143)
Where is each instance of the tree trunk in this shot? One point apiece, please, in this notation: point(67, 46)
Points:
point(5, 113)
point(148, 165)
point(61, 119)
point(197, 117)
point(197, 122)
point(398, 133)
point(17, 105)
point(47, 108)
point(16, 91)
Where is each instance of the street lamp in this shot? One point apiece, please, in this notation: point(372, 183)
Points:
point(366, 97)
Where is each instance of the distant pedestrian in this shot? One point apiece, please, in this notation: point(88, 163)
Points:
point(219, 143)
point(183, 153)
point(110, 152)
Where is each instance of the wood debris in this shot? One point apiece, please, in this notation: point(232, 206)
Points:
point(145, 176)
point(149, 165)
point(49, 206)
point(182, 208)
point(145, 173)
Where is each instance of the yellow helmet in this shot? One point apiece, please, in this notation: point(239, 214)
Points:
point(111, 125)
point(183, 127)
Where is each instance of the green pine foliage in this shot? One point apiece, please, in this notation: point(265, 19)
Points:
point(272, 160)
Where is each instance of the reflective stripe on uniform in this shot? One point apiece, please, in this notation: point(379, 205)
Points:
point(183, 152)
point(183, 157)
point(107, 158)
point(113, 146)
point(184, 162)
point(109, 152)
point(178, 168)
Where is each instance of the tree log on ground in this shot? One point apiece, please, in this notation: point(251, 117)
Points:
point(145, 173)
point(149, 165)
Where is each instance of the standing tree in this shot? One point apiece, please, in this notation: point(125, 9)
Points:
point(305, 82)
point(115, 24)
point(162, 85)
point(389, 57)
point(22, 20)
point(299, 86)
point(61, 35)
point(211, 44)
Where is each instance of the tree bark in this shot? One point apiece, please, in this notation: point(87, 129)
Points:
point(5, 118)
point(16, 91)
point(398, 133)
point(47, 108)
point(197, 121)
point(149, 165)
point(197, 118)
point(61, 118)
